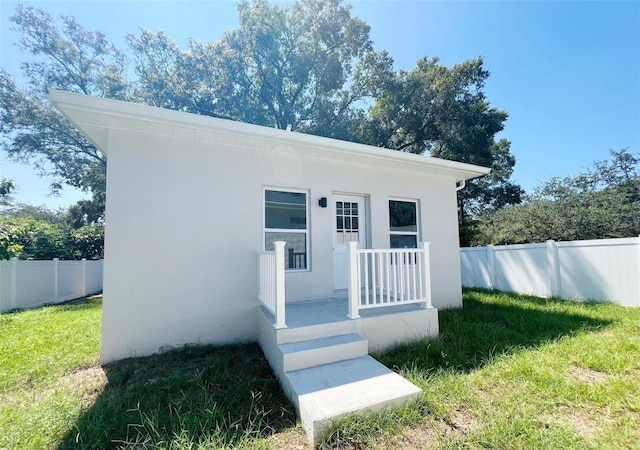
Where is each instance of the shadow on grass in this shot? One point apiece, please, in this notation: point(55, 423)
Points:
point(491, 324)
point(199, 395)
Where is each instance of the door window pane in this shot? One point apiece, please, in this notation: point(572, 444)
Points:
point(347, 224)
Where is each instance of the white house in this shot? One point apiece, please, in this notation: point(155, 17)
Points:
point(194, 207)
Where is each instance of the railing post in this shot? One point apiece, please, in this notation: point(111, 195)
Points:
point(354, 275)
point(280, 298)
point(426, 271)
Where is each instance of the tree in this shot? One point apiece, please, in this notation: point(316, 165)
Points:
point(443, 112)
point(7, 187)
point(30, 239)
point(73, 59)
point(307, 66)
point(300, 67)
point(602, 202)
point(42, 213)
point(86, 242)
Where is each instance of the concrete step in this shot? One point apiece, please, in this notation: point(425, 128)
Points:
point(305, 333)
point(315, 352)
point(325, 393)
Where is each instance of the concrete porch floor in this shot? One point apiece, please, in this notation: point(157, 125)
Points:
point(330, 310)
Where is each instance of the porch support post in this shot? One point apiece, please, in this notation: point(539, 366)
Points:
point(280, 303)
point(426, 272)
point(354, 277)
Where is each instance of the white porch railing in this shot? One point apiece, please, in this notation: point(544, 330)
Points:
point(386, 277)
point(271, 293)
point(377, 278)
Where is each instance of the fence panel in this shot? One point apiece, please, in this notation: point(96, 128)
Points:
point(606, 269)
point(70, 280)
point(25, 284)
point(94, 271)
point(532, 276)
point(7, 284)
point(600, 270)
point(475, 267)
point(35, 282)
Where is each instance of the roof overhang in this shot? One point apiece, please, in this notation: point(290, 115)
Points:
point(96, 116)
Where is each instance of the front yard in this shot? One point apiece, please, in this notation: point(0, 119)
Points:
point(508, 371)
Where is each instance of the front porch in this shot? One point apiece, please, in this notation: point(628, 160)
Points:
point(322, 357)
point(319, 349)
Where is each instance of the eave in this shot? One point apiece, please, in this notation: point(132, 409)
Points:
point(96, 116)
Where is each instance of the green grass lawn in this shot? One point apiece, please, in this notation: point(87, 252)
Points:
point(508, 371)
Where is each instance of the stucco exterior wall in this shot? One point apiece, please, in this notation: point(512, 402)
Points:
point(185, 220)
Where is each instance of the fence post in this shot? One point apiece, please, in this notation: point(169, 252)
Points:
point(426, 271)
point(3, 289)
point(555, 277)
point(55, 280)
point(354, 275)
point(84, 277)
point(491, 264)
point(14, 282)
point(280, 292)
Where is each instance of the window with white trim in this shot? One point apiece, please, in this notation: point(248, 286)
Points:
point(285, 219)
point(403, 223)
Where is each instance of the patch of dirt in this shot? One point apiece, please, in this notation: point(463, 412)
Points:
point(464, 421)
point(424, 436)
point(90, 380)
point(294, 439)
point(581, 422)
point(588, 376)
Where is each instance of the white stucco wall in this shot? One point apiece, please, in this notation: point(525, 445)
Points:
point(185, 220)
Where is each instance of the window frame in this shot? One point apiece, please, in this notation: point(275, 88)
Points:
point(416, 233)
point(304, 231)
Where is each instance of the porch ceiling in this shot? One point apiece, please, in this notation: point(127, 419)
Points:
point(96, 116)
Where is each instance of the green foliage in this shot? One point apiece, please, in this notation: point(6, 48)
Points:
point(443, 112)
point(6, 187)
point(42, 213)
point(437, 110)
point(71, 58)
point(86, 242)
point(10, 236)
point(603, 202)
point(285, 66)
point(29, 238)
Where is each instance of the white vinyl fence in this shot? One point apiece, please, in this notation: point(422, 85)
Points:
point(607, 269)
point(25, 284)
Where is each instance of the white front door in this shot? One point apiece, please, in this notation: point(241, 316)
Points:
point(349, 225)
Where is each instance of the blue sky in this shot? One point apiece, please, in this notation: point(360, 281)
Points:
point(567, 72)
